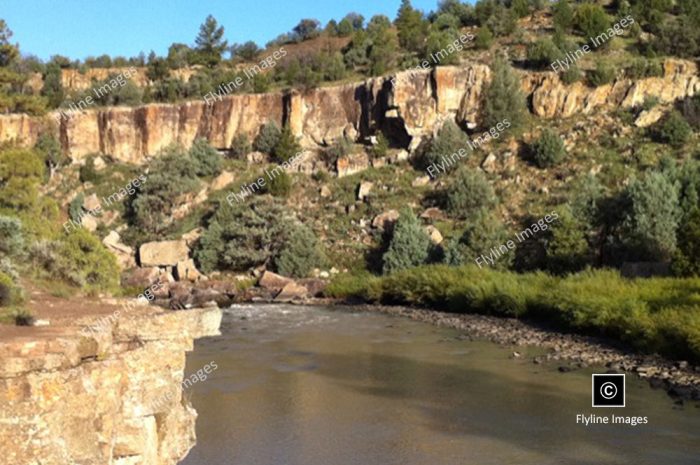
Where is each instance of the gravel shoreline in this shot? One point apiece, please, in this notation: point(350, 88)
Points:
point(680, 379)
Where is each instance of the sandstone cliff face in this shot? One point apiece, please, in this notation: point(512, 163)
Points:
point(109, 399)
point(410, 105)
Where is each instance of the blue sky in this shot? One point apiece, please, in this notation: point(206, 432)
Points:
point(79, 28)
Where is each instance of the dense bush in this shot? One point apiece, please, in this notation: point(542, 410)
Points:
point(21, 172)
point(409, 245)
point(563, 15)
point(604, 73)
point(11, 237)
point(449, 140)
point(381, 148)
point(207, 161)
point(241, 146)
point(10, 293)
point(300, 254)
point(571, 75)
point(548, 150)
point(542, 53)
point(411, 26)
point(483, 39)
point(241, 236)
point(267, 138)
point(567, 248)
point(652, 220)
point(503, 99)
point(642, 68)
point(48, 147)
point(286, 147)
point(673, 130)
point(591, 20)
point(468, 193)
point(650, 315)
point(686, 261)
point(483, 233)
point(280, 185)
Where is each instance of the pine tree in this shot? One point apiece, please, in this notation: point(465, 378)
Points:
point(409, 246)
point(412, 28)
point(504, 99)
point(210, 42)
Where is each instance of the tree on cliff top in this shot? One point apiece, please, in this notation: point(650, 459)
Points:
point(413, 29)
point(210, 42)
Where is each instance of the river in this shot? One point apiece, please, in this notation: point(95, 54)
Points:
point(301, 385)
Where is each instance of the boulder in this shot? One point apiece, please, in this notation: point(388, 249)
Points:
point(315, 286)
point(141, 277)
point(434, 234)
point(385, 220)
point(125, 254)
point(99, 163)
point(364, 189)
point(186, 271)
point(89, 222)
point(292, 291)
point(91, 202)
point(325, 192)
point(351, 164)
point(192, 236)
point(490, 163)
point(421, 181)
point(273, 281)
point(432, 214)
point(164, 253)
point(649, 117)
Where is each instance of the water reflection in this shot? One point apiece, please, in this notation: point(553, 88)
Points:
point(307, 386)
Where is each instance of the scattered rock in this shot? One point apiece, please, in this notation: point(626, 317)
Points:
point(125, 254)
point(649, 117)
point(421, 181)
point(91, 202)
point(434, 234)
point(192, 236)
point(256, 157)
point(89, 222)
point(99, 163)
point(222, 180)
point(433, 214)
point(164, 253)
point(141, 277)
point(385, 220)
point(364, 189)
point(489, 163)
point(325, 192)
point(351, 164)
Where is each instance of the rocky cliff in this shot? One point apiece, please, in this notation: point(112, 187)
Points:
point(110, 398)
point(408, 106)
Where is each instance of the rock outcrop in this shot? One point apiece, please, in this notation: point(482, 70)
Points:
point(408, 106)
point(111, 396)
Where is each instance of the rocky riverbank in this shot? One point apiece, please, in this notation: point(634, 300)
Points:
point(680, 379)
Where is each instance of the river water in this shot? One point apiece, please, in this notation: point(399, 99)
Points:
point(322, 386)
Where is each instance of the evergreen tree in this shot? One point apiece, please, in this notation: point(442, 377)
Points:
point(210, 42)
point(504, 99)
point(413, 29)
point(300, 254)
point(409, 246)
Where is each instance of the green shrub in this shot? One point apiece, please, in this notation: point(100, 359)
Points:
point(571, 75)
point(542, 53)
point(300, 254)
point(652, 220)
point(409, 245)
point(87, 172)
point(673, 130)
point(381, 148)
point(21, 172)
point(286, 147)
point(280, 185)
point(548, 150)
point(591, 20)
point(468, 193)
point(50, 150)
point(268, 138)
point(503, 99)
point(11, 237)
point(567, 248)
point(75, 208)
point(241, 146)
point(206, 159)
point(10, 294)
point(243, 235)
point(603, 74)
point(642, 68)
point(483, 233)
point(686, 261)
point(483, 39)
point(449, 141)
point(563, 15)
point(338, 149)
point(411, 26)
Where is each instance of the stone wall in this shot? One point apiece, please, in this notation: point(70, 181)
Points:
point(112, 398)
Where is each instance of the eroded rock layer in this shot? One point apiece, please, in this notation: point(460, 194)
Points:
point(409, 105)
point(111, 397)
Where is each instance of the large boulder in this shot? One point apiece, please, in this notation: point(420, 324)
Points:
point(273, 281)
point(385, 220)
point(351, 164)
point(292, 291)
point(125, 254)
point(164, 253)
point(186, 271)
